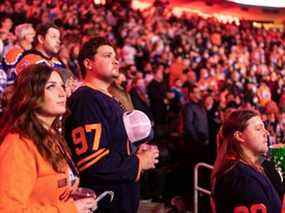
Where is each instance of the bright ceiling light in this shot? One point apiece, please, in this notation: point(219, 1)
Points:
point(262, 3)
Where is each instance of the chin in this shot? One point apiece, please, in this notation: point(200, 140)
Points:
point(54, 51)
point(265, 150)
point(63, 111)
point(60, 111)
point(115, 75)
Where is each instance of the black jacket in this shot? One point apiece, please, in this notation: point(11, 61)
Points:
point(195, 122)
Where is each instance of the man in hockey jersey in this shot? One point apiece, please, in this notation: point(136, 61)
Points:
point(97, 136)
point(47, 46)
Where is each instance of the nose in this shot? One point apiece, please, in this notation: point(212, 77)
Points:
point(58, 41)
point(116, 62)
point(266, 133)
point(61, 92)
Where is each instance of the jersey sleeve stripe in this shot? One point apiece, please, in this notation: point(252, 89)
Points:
point(86, 166)
point(94, 155)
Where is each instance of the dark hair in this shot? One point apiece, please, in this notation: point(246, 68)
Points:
point(20, 115)
point(192, 87)
point(42, 31)
point(89, 49)
point(3, 18)
point(229, 150)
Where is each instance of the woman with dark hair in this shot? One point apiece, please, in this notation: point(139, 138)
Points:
point(36, 172)
point(238, 179)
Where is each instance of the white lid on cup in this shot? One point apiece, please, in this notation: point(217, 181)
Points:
point(138, 125)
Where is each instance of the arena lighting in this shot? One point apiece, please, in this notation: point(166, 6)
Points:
point(262, 3)
point(137, 4)
point(226, 18)
point(178, 11)
point(98, 2)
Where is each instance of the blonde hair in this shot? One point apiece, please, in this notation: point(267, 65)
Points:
point(22, 30)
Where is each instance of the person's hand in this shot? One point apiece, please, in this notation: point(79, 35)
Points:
point(143, 147)
point(86, 205)
point(148, 156)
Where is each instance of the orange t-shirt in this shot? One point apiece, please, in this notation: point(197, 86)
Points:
point(28, 183)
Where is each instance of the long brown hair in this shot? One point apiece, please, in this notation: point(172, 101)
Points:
point(229, 149)
point(20, 115)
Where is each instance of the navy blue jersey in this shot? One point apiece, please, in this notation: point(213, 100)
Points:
point(100, 148)
point(245, 187)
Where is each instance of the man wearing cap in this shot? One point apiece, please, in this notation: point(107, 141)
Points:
point(96, 134)
point(25, 34)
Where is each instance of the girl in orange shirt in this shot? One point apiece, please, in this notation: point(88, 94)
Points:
point(36, 172)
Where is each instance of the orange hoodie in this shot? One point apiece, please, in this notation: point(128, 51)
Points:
point(28, 183)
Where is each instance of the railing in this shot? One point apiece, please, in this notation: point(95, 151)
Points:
point(197, 188)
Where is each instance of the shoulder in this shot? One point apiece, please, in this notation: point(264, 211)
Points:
point(29, 58)
point(15, 145)
point(15, 139)
point(56, 61)
point(13, 55)
point(88, 99)
point(11, 139)
point(87, 94)
point(240, 177)
point(33, 56)
point(240, 170)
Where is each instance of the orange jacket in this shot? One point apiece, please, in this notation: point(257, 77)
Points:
point(28, 183)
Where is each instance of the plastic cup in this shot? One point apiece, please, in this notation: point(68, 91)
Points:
point(81, 193)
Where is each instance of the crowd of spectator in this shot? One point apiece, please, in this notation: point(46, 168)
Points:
point(233, 65)
point(165, 59)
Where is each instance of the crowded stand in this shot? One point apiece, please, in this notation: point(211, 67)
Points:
point(201, 84)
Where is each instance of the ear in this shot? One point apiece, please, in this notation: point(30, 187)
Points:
point(87, 64)
point(239, 136)
point(40, 39)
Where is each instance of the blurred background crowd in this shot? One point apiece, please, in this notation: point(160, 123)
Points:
point(167, 64)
